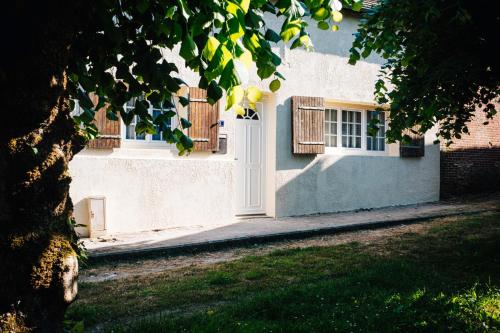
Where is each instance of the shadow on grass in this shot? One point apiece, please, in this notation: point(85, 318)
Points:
point(446, 280)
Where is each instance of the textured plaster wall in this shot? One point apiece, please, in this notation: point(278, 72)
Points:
point(148, 190)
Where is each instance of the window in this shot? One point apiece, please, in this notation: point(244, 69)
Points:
point(331, 127)
point(130, 133)
point(348, 129)
point(249, 115)
point(351, 129)
point(376, 142)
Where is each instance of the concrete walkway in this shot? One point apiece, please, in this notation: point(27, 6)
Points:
point(257, 230)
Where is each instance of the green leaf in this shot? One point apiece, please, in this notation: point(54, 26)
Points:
point(244, 4)
point(252, 42)
point(278, 74)
point(219, 61)
point(214, 92)
point(210, 48)
point(290, 30)
point(169, 136)
point(275, 85)
point(234, 96)
point(272, 36)
point(87, 116)
point(296, 43)
point(127, 117)
point(229, 77)
point(170, 12)
point(254, 94)
point(111, 115)
point(144, 126)
point(188, 48)
point(357, 5)
point(84, 99)
point(185, 123)
point(184, 101)
point(186, 141)
point(235, 29)
point(321, 14)
point(141, 108)
point(186, 12)
point(323, 25)
point(233, 8)
point(169, 113)
point(265, 70)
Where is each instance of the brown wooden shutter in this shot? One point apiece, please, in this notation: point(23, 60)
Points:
point(416, 148)
point(308, 122)
point(204, 118)
point(109, 130)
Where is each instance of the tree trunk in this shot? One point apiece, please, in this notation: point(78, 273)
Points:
point(38, 261)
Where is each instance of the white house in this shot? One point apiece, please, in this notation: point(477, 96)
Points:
point(291, 156)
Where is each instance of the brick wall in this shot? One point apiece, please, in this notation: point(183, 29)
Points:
point(472, 164)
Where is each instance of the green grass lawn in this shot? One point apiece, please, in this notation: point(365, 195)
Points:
point(446, 279)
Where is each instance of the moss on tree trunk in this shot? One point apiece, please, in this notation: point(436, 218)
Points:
point(37, 141)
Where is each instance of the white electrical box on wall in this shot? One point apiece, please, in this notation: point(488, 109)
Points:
point(97, 216)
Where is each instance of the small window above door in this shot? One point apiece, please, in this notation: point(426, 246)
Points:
point(249, 114)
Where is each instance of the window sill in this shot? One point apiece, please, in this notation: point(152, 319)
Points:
point(139, 144)
point(354, 152)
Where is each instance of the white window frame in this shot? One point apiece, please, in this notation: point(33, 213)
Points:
point(339, 150)
point(148, 141)
point(377, 137)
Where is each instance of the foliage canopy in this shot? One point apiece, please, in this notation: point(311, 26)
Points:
point(118, 56)
point(442, 62)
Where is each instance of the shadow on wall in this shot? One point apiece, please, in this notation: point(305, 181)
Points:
point(333, 183)
point(326, 41)
point(81, 213)
point(472, 170)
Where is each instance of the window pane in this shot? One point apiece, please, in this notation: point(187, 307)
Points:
point(327, 115)
point(327, 129)
point(344, 116)
point(130, 132)
point(379, 139)
point(358, 117)
point(333, 142)
point(333, 128)
point(157, 135)
point(358, 142)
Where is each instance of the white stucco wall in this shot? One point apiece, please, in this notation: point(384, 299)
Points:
point(154, 189)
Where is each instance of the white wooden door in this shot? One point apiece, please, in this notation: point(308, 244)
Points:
point(97, 215)
point(250, 162)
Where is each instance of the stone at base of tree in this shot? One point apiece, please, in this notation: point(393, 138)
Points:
point(69, 278)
